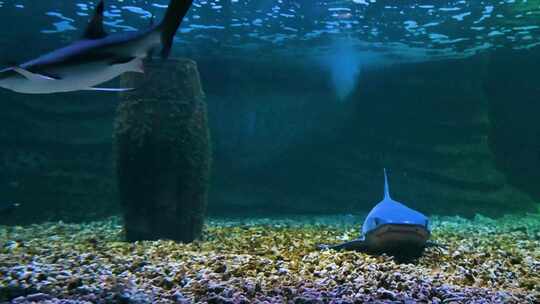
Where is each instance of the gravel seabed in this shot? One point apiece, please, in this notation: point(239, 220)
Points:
point(269, 260)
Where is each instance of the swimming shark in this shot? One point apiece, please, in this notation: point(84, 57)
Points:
point(96, 58)
point(391, 227)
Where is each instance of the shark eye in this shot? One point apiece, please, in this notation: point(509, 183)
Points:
point(377, 221)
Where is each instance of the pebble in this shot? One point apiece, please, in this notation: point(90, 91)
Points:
point(270, 262)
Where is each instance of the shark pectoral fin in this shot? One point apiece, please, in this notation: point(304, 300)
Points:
point(130, 64)
point(32, 76)
point(136, 65)
point(356, 245)
point(110, 89)
point(122, 60)
point(323, 247)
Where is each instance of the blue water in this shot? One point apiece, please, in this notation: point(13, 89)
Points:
point(399, 31)
point(283, 77)
point(269, 141)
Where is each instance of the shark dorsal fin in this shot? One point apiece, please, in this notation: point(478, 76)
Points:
point(95, 30)
point(386, 187)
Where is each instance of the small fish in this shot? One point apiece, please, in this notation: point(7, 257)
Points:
point(97, 58)
point(391, 227)
point(8, 208)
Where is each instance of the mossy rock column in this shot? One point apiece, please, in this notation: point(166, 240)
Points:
point(163, 152)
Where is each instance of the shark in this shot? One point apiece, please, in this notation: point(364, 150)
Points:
point(95, 58)
point(391, 227)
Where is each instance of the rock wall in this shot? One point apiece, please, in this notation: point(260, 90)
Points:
point(432, 129)
point(456, 135)
point(56, 155)
point(428, 123)
point(512, 88)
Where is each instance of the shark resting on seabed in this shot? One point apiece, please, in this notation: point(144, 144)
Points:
point(96, 58)
point(393, 228)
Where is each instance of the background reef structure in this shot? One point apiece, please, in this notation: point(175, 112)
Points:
point(163, 152)
point(458, 142)
point(434, 131)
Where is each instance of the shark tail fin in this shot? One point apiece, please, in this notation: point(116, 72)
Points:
point(174, 15)
point(386, 186)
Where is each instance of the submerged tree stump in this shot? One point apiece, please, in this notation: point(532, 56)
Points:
point(163, 152)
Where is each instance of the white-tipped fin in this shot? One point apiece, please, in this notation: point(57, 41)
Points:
point(386, 186)
point(136, 65)
point(31, 76)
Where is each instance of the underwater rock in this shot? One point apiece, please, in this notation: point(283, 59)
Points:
point(435, 129)
point(163, 153)
point(514, 108)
